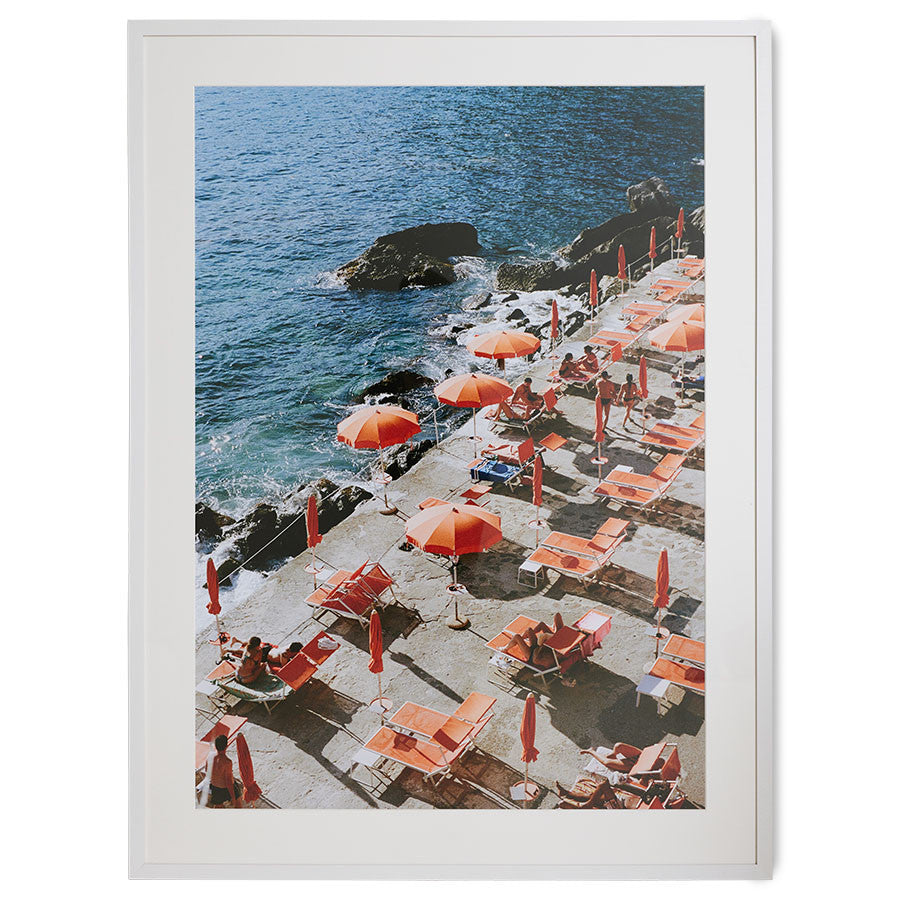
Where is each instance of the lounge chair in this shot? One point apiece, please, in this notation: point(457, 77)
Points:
point(352, 595)
point(517, 454)
point(667, 680)
point(644, 308)
point(270, 688)
point(610, 339)
point(501, 415)
point(625, 486)
point(670, 437)
point(691, 266)
point(449, 731)
point(580, 558)
point(685, 650)
point(431, 759)
point(567, 646)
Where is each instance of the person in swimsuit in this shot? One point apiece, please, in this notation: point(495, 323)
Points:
point(530, 642)
point(629, 395)
point(606, 391)
point(277, 659)
point(589, 364)
point(526, 398)
point(252, 662)
point(569, 370)
point(222, 788)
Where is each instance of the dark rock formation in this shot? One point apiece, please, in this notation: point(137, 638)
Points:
point(651, 197)
point(403, 457)
point(256, 530)
point(209, 523)
point(515, 315)
point(414, 256)
point(591, 238)
point(540, 276)
point(477, 301)
point(400, 382)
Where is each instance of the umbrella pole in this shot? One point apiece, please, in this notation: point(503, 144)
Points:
point(474, 426)
point(383, 475)
point(658, 624)
point(525, 788)
point(315, 569)
point(219, 639)
point(380, 704)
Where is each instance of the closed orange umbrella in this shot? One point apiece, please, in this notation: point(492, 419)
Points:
point(537, 496)
point(554, 320)
point(599, 436)
point(652, 253)
point(450, 529)
point(212, 586)
point(377, 427)
point(313, 538)
point(527, 734)
point(252, 791)
point(623, 271)
point(661, 596)
point(473, 391)
point(684, 337)
point(592, 294)
point(642, 383)
point(504, 344)
point(679, 228)
point(376, 651)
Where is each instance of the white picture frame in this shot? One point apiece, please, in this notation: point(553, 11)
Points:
point(732, 838)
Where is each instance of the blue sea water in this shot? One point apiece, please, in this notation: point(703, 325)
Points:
point(291, 182)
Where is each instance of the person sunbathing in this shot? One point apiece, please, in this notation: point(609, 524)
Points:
point(589, 794)
point(277, 659)
point(530, 643)
point(589, 364)
point(570, 371)
point(622, 759)
point(518, 415)
point(222, 788)
point(252, 662)
point(526, 398)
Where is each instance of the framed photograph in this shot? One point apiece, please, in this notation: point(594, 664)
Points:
point(436, 524)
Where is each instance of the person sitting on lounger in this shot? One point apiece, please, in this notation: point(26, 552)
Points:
point(622, 758)
point(589, 794)
point(530, 642)
point(222, 788)
point(589, 364)
point(628, 395)
point(252, 662)
point(606, 391)
point(526, 398)
point(569, 370)
point(278, 658)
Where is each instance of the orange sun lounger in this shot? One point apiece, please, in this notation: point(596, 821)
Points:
point(685, 650)
point(432, 760)
point(605, 338)
point(518, 454)
point(581, 558)
point(447, 731)
point(353, 594)
point(626, 486)
point(690, 678)
point(683, 438)
point(569, 645)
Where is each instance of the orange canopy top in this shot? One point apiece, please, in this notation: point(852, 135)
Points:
point(692, 312)
point(373, 427)
point(683, 337)
point(452, 530)
point(472, 390)
point(504, 344)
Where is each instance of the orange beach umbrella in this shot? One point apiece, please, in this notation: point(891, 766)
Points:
point(537, 487)
point(554, 320)
point(527, 733)
point(593, 293)
point(313, 538)
point(642, 378)
point(376, 647)
point(679, 228)
point(623, 272)
point(376, 427)
point(504, 344)
point(680, 337)
point(252, 791)
point(693, 312)
point(652, 253)
point(473, 390)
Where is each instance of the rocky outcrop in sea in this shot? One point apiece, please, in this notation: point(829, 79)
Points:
point(415, 256)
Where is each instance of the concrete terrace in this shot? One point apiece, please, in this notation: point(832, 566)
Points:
point(302, 751)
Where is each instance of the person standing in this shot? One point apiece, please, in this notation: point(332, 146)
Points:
point(606, 391)
point(628, 396)
point(222, 788)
